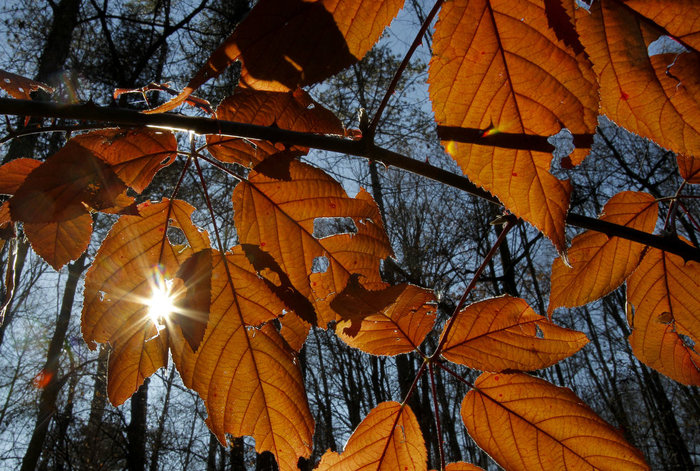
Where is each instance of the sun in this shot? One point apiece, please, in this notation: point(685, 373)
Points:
point(161, 303)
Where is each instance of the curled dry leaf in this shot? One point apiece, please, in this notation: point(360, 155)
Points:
point(21, 87)
point(385, 322)
point(249, 379)
point(506, 334)
point(665, 294)
point(285, 44)
point(134, 258)
point(491, 60)
point(277, 215)
point(598, 263)
point(526, 423)
point(134, 155)
point(388, 438)
point(293, 111)
point(656, 97)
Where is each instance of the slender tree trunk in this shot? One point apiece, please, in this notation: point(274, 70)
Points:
point(237, 454)
point(136, 431)
point(211, 452)
point(266, 462)
point(49, 394)
point(158, 439)
point(93, 432)
point(17, 259)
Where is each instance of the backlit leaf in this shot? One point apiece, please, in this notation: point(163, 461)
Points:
point(62, 187)
point(492, 60)
point(135, 155)
point(525, 423)
point(506, 334)
point(387, 322)
point(133, 258)
point(60, 242)
point(248, 378)
point(461, 466)
point(665, 294)
point(21, 87)
point(294, 111)
point(13, 174)
point(193, 306)
point(285, 44)
point(681, 18)
point(599, 264)
point(656, 97)
point(278, 214)
point(689, 167)
point(389, 438)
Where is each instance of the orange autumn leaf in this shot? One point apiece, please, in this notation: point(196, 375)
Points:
point(285, 44)
point(134, 155)
point(249, 379)
point(389, 322)
point(62, 241)
point(389, 438)
point(276, 211)
point(681, 18)
point(192, 306)
point(526, 423)
point(599, 263)
point(656, 97)
point(491, 61)
point(21, 87)
point(65, 185)
point(294, 111)
point(129, 265)
point(14, 172)
point(688, 166)
point(506, 334)
point(461, 466)
point(665, 294)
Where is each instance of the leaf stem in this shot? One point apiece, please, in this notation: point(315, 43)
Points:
point(437, 416)
point(399, 71)
point(512, 222)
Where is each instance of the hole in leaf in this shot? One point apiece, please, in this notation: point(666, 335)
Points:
point(320, 265)
point(665, 45)
point(176, 236)
point(538, 332)
point(326, 227)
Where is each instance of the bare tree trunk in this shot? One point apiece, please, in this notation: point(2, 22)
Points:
point(237, 455)
point(211, 452)
point(93, 431)
point(136, 431)
point(49, 394)
point(158, 439)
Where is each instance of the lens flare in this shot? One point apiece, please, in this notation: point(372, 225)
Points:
point(161, 303)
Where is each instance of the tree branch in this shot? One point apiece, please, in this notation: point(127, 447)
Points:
point(121, 116)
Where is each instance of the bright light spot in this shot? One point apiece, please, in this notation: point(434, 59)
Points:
point(161, 303)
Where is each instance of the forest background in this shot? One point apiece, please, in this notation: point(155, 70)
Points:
point(87, 49)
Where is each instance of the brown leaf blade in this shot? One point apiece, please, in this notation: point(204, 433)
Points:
point(134, 155)
point(656, 97)
point(666, 297)
point(394, 320)
point(388, 438)
point(286, 44)
point(62, 187)
point(599, 264)
point(681, 18)
point(60, 242)
point(294, 111)
point(13, 174)
point(248, 378)
point(492, 60)
point(21, 87)
point(134, 256)
point(502, 334)
point(525, 423)
point(689, 168)
point(278, 214)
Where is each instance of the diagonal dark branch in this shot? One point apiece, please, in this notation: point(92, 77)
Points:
point(120, 116)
